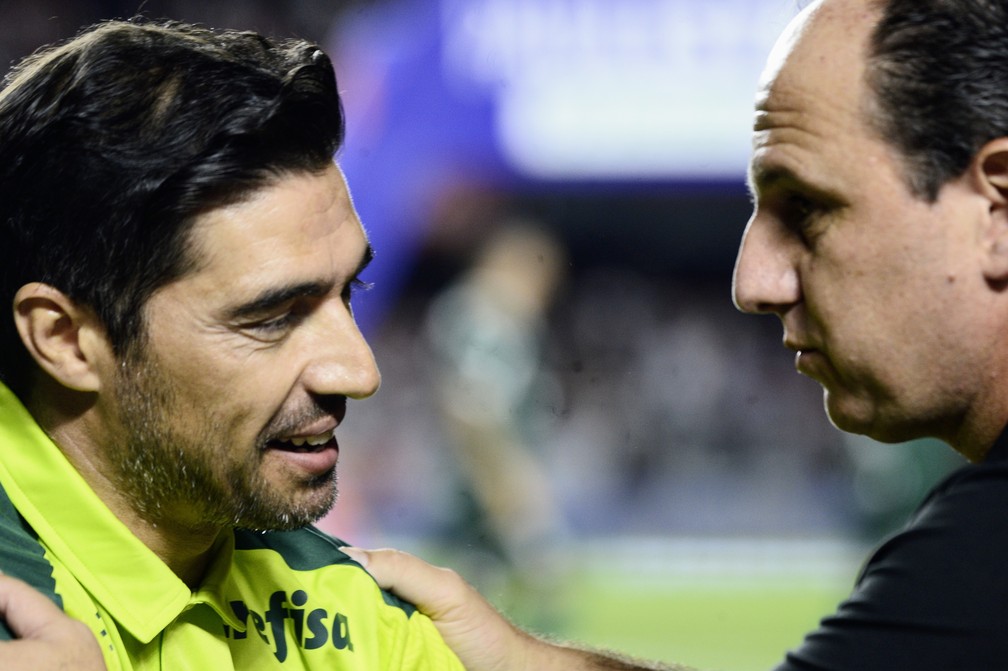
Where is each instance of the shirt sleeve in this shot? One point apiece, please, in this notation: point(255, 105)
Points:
point(421, 648)
point(934, 596)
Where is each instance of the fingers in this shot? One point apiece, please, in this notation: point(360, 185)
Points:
point(47, 638)
point(27, 612)
point(435, 591)
point(478, 634)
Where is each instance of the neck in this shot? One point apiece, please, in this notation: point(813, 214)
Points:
point(187, 550)
point(185, 547)
point(975, 431)
point(975, 442)
point(184, 544)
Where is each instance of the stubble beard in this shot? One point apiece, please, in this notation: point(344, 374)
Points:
point(173, 477)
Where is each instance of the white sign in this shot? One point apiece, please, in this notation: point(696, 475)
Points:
point(615, 88)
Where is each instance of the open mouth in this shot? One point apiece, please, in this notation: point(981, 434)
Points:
point(314, 443)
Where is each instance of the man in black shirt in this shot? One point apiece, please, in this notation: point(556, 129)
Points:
point(879, 238)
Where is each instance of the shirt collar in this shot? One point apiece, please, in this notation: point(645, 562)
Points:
point(121, 573)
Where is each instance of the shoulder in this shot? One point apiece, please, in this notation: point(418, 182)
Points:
point(304, 549)
point(934, 595)
point(953, 546)
point(336, 607)
point(954, 543)
point(315, 555)
point(969, 504)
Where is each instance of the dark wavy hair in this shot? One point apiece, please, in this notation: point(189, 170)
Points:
point(938, 72)
point(112, 143)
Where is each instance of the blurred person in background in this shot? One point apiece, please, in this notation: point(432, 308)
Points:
point(486, 333)
point(880, 239)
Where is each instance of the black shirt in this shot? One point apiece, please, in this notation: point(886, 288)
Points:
point(933, 596)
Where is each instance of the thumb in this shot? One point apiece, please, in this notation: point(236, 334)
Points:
point(28, 613)
point(478, 634)
point(437, 592)
point(47, 638)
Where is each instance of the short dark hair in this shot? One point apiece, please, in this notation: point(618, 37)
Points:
point(938, 73)
point(113, 142)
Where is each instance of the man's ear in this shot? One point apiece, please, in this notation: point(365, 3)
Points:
point(64, 338)
point(989, 173)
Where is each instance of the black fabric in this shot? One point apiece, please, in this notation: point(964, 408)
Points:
point(935, 595)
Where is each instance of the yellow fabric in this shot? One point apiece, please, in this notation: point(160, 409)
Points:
point(296, 603)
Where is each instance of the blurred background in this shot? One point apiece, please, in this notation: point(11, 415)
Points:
point(573, 414)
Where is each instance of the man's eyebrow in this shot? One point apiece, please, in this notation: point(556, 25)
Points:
point(273, 298)
point(276, 297)
point(761, 179)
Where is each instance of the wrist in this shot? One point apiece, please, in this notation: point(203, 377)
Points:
point(542, 655)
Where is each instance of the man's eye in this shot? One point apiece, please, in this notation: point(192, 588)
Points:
point(804, 216)
point(281, 323)
point(275, 324)
point(800, 209)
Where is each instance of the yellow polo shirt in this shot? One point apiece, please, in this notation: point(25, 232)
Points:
point(276, 600)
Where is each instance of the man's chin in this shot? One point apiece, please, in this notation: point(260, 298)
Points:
point(860, 416)
point(285, 522)
point(277, 513)
point(849, 414)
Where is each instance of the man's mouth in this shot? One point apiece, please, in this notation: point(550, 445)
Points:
point(312, 443)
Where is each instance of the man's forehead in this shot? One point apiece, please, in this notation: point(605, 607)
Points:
point(813, 89)
point(300, 227)
point(293, 208)
point(785, 45)
point(822, 37)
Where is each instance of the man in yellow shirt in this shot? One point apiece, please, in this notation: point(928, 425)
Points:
point(180, 249)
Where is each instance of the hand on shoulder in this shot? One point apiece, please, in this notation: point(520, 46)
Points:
point(478, 634)
point(481, 637)
point(47, 638)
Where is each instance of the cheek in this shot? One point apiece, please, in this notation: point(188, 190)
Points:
point(848, 282)
point(859, 316)
point(243, 393)
point(222, 373)
point(210, 394)
point(205, 380)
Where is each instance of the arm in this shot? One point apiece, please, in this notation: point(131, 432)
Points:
point(478, 634)
point(48, 640)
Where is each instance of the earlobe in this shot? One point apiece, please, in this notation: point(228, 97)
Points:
point(60, 335)
point(990, 178)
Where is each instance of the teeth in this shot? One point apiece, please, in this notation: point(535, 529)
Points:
point(311, 441)
point(320, 439)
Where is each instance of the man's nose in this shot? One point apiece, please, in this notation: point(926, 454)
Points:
point(766, 276)
point(343, 362)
